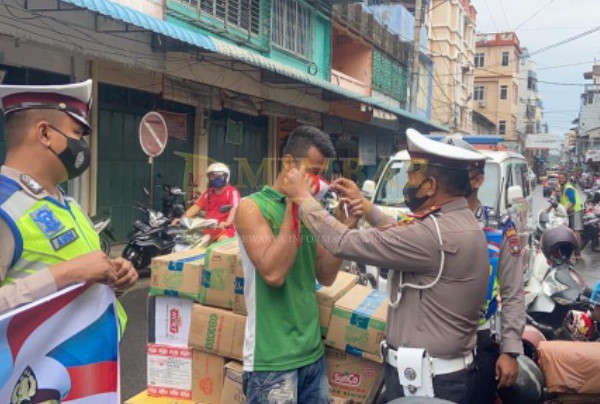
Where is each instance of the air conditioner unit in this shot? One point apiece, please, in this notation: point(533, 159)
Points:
point(481, 104)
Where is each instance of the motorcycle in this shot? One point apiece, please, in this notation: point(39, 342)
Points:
point(172, 200)
point(149, 239)
point(591, 230)
point(102, 225)
point(553, 290)
point(197, 232)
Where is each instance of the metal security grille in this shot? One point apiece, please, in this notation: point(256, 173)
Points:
point(241, 14)
point(389, 77)
point(293, 27)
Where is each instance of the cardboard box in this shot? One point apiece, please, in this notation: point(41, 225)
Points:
point(239, 301)
point(358, 322)
point(144, 398)
point(328, 295)
point(217, 331)
point(223, 262)
point(207, 377)
point(233, 390)
point(339, 400)
point(354, 379)
point(169, 320)
point(178, 274)
point(169, 371)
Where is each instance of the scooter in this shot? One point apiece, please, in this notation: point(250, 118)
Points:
point(197, 232)
point(591, 230)
point(552, 291)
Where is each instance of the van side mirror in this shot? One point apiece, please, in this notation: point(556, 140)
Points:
point(368, 188)
point(514, 194)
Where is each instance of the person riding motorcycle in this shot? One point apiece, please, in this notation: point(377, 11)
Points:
point(218, 194)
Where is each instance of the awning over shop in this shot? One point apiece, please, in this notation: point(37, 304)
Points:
point(127, 15)
point(276, 69)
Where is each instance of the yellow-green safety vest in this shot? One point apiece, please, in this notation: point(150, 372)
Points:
point(46, 232)
point(564, 199)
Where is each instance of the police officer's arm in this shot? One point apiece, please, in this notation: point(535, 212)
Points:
point(22, 290)
point(350, 193)
point(510, 278)
point(408, 246)
point(273, 256)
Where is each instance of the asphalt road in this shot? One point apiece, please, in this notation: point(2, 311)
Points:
point(133, 346)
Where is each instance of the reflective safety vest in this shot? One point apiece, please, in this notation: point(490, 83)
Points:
point(494, 239)
point(46, 232)
point(564, 199)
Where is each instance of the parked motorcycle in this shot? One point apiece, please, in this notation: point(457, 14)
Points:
point(172, 200)
point(102, 225)
point(554, 290)
point(149, 239)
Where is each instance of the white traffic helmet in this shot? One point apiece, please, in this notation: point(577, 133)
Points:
point(219, 168)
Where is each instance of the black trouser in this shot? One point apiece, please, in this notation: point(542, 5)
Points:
point(486, 357)
point(456, 387)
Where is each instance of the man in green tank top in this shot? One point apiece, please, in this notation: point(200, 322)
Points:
point(283, 352)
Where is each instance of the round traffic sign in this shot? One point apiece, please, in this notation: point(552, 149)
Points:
point(153, 134)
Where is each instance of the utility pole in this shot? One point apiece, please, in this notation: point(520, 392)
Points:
point(414, 79)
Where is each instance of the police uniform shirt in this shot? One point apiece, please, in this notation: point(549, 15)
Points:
point(442, 319)
point(38, 284)
point(511, 268)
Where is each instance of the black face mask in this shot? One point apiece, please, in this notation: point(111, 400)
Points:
point(410, 196)
point(469, 189)
point(76, 156)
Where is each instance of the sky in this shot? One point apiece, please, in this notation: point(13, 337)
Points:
point(557, 21)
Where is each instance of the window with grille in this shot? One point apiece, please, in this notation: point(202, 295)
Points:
point(293, 27)
point(502, 127)
point(479, 59)
point(505, 58)
point(479, 93)
point(503, 92)
point(241, 14)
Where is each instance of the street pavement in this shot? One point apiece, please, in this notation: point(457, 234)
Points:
point(133, 346)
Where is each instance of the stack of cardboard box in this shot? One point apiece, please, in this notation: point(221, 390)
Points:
point(355, 328)
point(197, 317)
point(195, 340)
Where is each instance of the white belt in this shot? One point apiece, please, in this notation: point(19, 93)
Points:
point(438, 366)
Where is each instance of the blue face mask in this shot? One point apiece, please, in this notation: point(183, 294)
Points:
point(217, 182)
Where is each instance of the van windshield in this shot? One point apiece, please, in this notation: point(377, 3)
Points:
point(389, 192)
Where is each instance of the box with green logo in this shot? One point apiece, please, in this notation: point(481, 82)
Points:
point(217, 331)
point(328, 295)
point(358, 323)
point(178, 274)
point(222, 267)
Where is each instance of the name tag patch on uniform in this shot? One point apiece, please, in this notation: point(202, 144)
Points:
point(48, 223)
point(64, 239)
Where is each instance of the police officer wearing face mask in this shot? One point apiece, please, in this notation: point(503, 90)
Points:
point(47, 241)
point(438, 265)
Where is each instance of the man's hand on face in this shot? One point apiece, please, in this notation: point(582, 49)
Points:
point(297, 186)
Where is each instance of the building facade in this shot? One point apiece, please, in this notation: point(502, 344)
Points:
point(531, 108)
point(496, 91)
point(232, 79)
point(452, 49)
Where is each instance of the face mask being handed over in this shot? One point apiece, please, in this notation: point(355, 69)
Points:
point(75, 157)
point(410, 196)
point(321, 186)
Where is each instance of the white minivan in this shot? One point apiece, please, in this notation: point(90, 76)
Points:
point(506, 188)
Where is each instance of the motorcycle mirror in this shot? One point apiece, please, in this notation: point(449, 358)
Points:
point(225, 208)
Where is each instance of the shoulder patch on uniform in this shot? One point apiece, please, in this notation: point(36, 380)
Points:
point(31, 184)
point(510, 232)
point(427, 212)
point(46, 221)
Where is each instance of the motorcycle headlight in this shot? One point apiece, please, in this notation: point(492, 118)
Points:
point(551, 287)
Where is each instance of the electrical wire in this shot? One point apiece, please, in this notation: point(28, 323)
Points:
point(533, 15)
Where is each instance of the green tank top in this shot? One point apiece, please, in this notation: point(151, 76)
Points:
point(282, 328)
